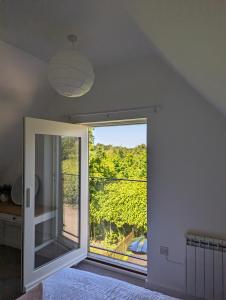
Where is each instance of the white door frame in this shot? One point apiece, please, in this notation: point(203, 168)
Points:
point(32, 276)
point(125, 117)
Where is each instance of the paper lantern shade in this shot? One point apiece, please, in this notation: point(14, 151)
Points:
point(70, 74)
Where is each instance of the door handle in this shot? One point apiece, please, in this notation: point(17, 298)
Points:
point(28, 202)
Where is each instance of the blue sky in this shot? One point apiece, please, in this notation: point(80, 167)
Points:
point(126, 135)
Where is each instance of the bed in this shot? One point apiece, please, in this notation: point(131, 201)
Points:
point(73, 284)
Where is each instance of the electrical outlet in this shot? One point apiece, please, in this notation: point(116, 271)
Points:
point(164, 250)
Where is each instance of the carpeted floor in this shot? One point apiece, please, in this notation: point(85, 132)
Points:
point(10, 273)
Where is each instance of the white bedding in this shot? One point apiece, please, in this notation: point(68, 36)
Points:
point(75, 284)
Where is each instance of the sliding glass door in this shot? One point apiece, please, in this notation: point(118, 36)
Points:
point(55, 197)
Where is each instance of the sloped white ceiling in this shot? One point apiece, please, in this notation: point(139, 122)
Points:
point(106, 33)
point(191, 35)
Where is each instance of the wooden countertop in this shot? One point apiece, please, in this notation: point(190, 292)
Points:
point(10, 208)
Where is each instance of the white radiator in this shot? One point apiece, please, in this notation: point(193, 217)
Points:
point(206, 267)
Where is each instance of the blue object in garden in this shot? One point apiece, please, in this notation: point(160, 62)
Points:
point(139, 245)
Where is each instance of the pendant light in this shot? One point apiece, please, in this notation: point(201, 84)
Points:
point(70, 73)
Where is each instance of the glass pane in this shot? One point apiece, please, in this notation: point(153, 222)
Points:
point(57, 199)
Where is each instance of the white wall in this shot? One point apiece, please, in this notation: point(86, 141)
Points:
point(189, 157)
point(189, 145)
point(24, 90)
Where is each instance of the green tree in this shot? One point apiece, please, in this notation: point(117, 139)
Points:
point(117, 205)
point(124, 204)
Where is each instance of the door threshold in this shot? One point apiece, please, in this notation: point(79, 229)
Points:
point(117, 265)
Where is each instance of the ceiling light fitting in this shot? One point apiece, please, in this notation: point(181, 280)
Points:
point(70, 73)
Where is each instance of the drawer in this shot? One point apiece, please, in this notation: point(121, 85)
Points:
point(12, 235)
point(10, 218)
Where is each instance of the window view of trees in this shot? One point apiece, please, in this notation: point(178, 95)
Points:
point(118, 201)
point(118, 197)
